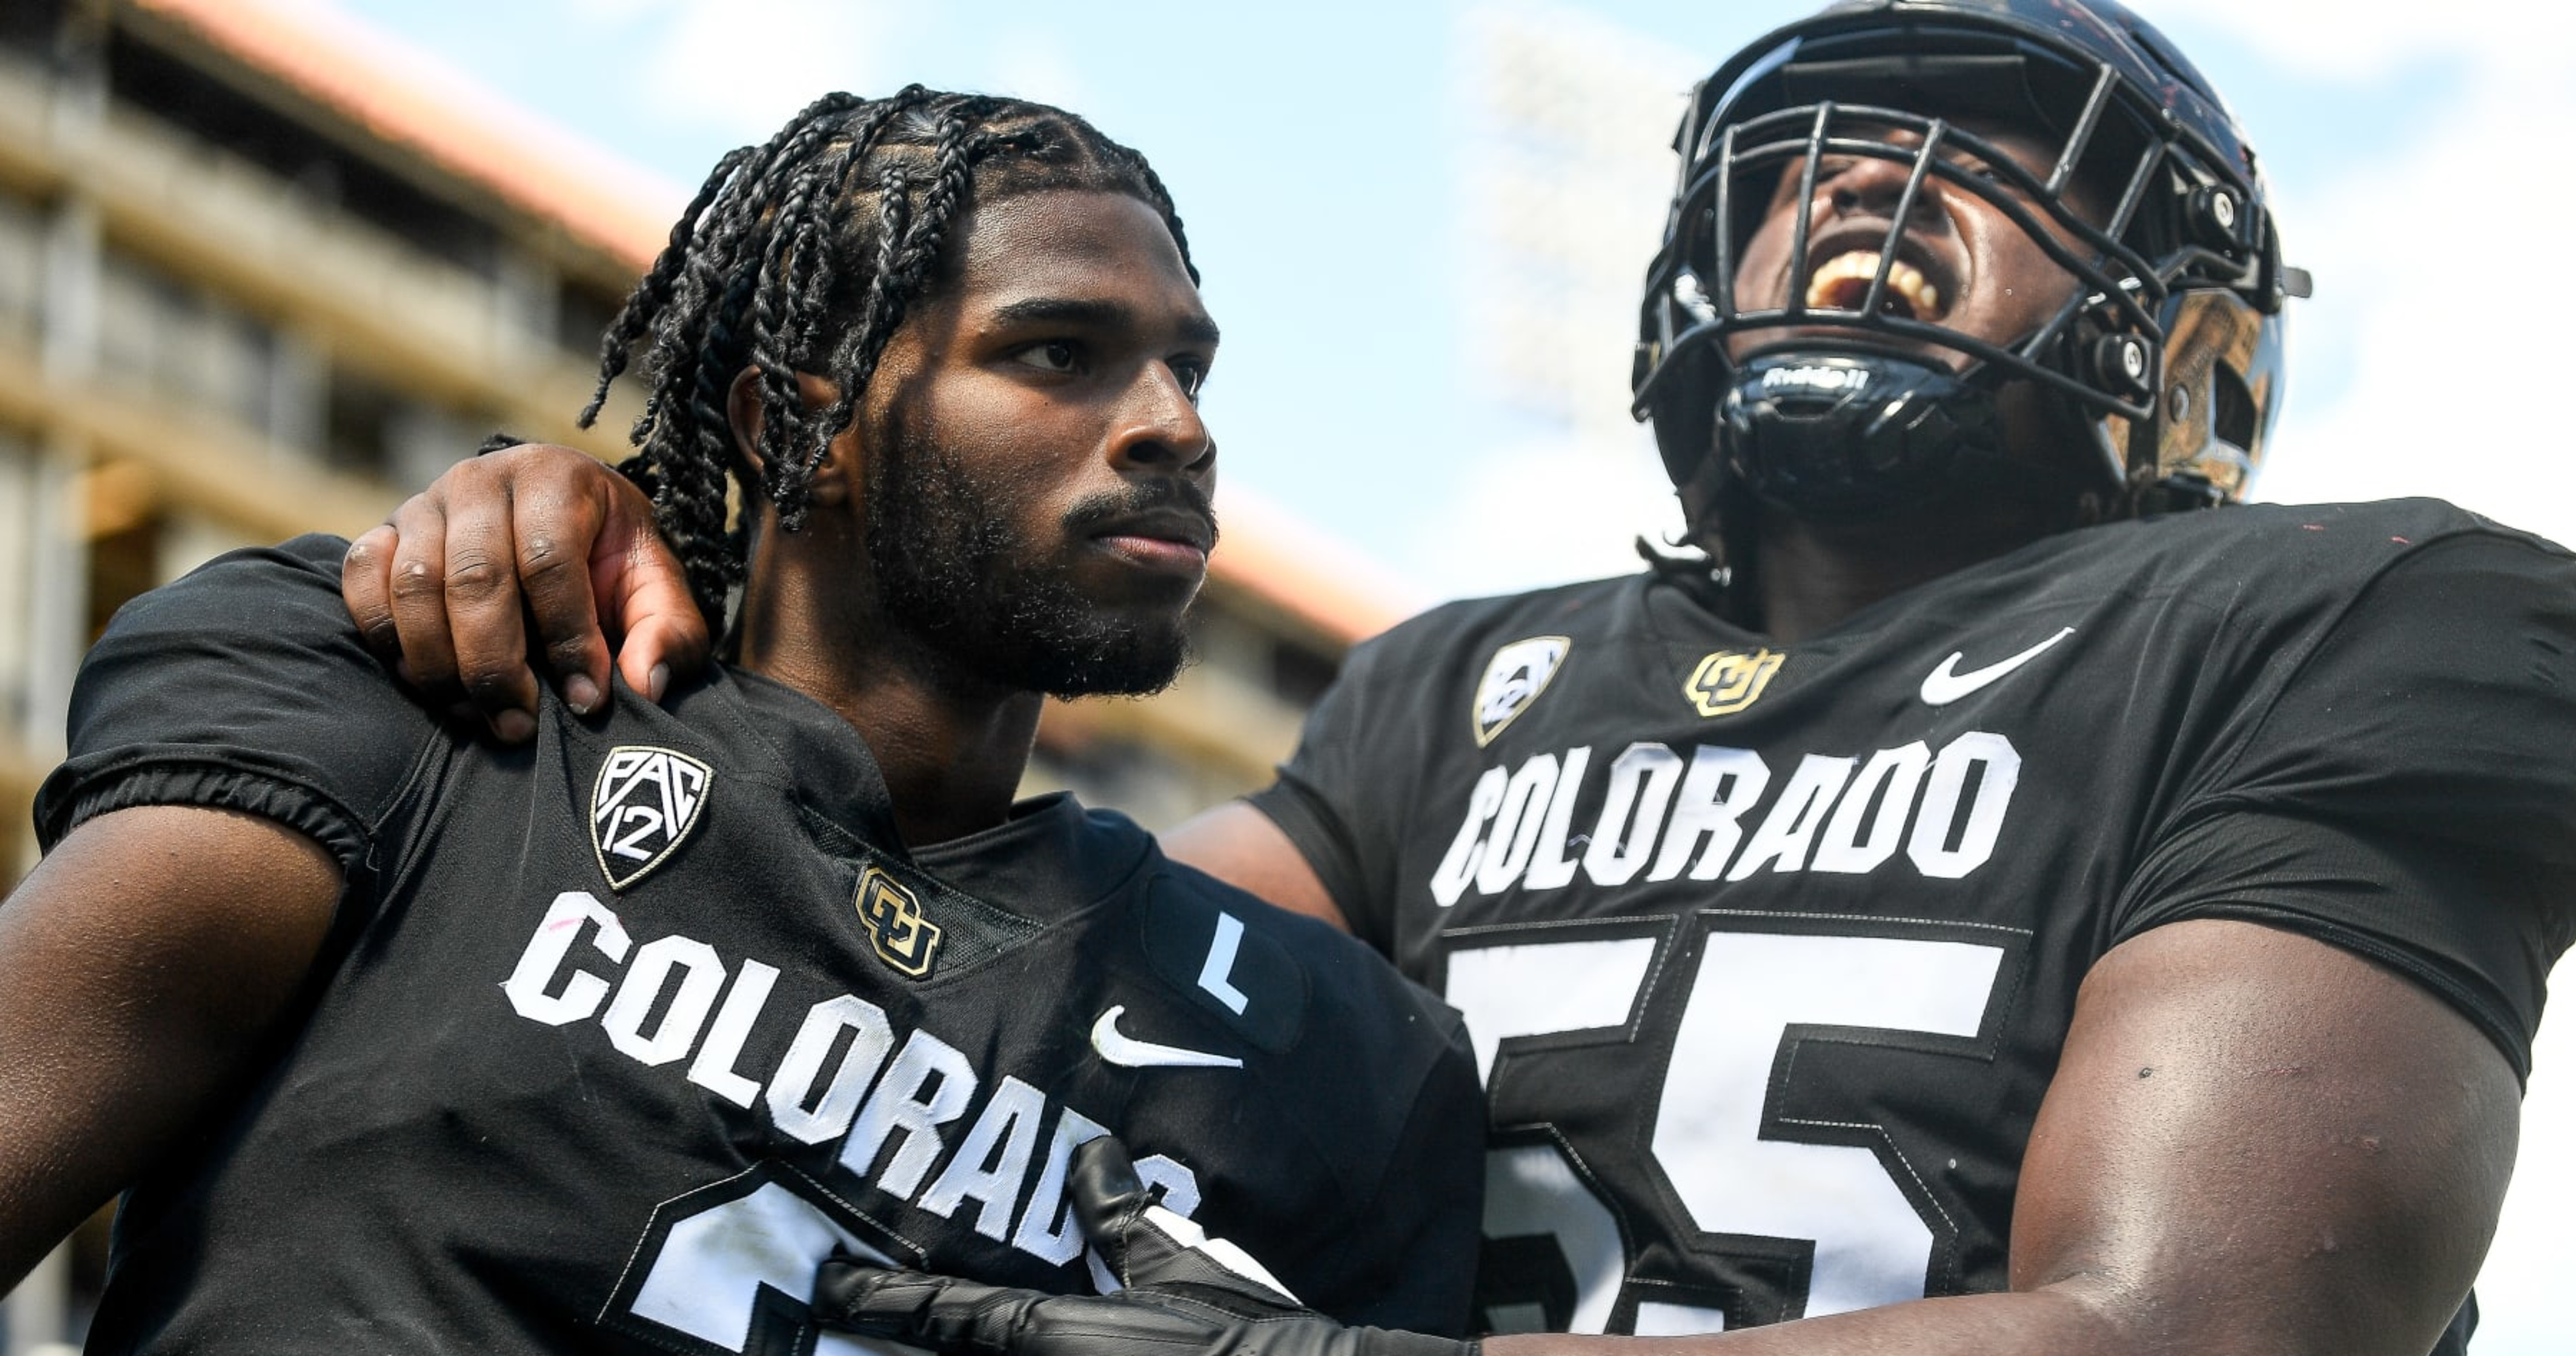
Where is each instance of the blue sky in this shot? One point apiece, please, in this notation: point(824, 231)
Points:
point(1316, 153)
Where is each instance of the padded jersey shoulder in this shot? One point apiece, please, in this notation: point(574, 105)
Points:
point(2369, 744)
point(1369, 1071)
point(1211, 940)
point(2284, 561)
point(1591, 607)
point(242, 685)
point(1401, 704)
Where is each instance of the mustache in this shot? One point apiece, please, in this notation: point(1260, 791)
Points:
point(1142, 498)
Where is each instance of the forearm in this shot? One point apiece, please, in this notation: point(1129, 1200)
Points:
point(2255, 1143)
point(66, 1145)
point(1241, 846)
point(143, 966)
point(60, 1161)
point(38, 1207)
point(2048, 1322)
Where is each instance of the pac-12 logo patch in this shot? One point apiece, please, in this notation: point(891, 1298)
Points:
point(1513, 679)
point(646, 802)
point(1730, 680)
point(905, 939)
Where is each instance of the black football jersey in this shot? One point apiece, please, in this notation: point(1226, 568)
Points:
point(621, 1033)
point(1768, 949)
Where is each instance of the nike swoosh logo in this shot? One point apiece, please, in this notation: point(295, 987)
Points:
point(1136, 1054)
point(1946, 684)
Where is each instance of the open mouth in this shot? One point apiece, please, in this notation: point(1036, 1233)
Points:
point(1842, 284)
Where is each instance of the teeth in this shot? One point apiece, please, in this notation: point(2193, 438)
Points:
point(1903, 279)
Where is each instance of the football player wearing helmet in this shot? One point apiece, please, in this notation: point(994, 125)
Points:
point(1997, 894)
point(393, 1039)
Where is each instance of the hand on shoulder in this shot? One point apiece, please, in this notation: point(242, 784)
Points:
point(446, 588)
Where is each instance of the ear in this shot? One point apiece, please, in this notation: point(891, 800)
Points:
point(746, 410)
point(832, 477)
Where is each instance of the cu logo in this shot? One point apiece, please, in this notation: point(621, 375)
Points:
point(1728, 681)
point(892, 915)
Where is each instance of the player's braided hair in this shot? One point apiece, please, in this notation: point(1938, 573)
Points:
point(805, 254)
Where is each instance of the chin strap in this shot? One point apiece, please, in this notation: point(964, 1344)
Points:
point(1844, 436)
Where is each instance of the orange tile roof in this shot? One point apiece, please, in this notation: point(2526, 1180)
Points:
point(411, 100)
point(1306, 571)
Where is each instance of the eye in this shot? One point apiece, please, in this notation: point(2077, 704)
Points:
point(1193, 374)
point(1055, 355)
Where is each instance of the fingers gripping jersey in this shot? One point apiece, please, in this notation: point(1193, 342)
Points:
point(1768, 950)
point(622, 1033)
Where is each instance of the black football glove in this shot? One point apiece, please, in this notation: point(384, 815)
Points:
point(1185, 1293)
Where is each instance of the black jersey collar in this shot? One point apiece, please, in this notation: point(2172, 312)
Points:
point(1050, 858)
point(823, 761)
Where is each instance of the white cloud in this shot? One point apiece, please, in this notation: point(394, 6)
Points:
point(743, 67)
point(2366, 39)
point(1033, 64)
point(746, 66)
point(2522, 1293)
point(1543, 512)
point(614, 11)
point(2454, 353)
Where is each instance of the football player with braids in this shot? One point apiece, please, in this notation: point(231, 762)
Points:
point(397, 1039)
point(1998, 893)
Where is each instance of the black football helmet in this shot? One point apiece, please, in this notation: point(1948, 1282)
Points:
point(2162, 370)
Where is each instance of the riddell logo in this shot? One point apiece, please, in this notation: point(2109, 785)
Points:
point(1832, 379)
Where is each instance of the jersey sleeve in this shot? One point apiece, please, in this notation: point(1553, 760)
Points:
point(1422, 1231)
point(1350, 1158)
point(2407, 788)
point(1340, 794)
point(241, 686)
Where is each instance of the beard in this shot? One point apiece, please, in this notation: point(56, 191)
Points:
point(953, 571)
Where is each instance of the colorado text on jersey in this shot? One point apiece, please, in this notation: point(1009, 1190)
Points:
point(886, 1095)
point(1714, 812)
